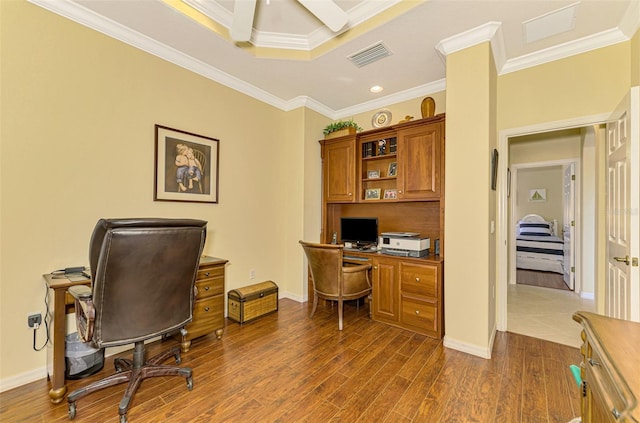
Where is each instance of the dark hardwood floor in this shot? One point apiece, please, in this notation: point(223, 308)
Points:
point(542, 279)
point(286, 367)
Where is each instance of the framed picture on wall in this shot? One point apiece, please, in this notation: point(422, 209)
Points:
point(186, 166)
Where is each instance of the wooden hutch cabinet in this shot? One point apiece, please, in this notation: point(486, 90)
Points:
point(397, 175)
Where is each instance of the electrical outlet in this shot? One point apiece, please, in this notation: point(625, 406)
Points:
point(252, 274)
point(34, 320)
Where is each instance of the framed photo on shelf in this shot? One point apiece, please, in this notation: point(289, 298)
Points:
point(373, 174)
point(372, 194)
point(186, 166)
point(390, 194)
point(393, 169)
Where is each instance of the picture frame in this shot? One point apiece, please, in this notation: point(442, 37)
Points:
point(393, 169)
point(538, 195)
point(390, 194)
point(373, 174)
point(186, 166)
point(372, 194)
point(494, 169)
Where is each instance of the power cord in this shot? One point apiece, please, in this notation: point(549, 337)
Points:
point(46, 322)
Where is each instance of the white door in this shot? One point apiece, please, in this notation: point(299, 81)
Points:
point(569, 227)
point(622, 294)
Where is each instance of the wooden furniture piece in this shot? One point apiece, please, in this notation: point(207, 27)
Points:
point(208, 309)
point(251, 302)
point(62, 303)
point(610, 369)
point(404, 163)
point(332, 280)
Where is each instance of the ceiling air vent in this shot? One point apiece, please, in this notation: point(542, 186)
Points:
point(370, 54)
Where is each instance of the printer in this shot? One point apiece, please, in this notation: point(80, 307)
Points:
point(405, 244)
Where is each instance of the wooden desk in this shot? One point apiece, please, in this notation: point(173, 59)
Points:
point(208, 317)
point(62, 302)
point(610, 369)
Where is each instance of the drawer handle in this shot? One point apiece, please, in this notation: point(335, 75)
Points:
point(417, 312)
point(206, 309)
point(207, 274)
point(594, 362)
point(417, 279)
point(206, 288)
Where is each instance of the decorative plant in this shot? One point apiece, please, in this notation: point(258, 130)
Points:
point(336, 126)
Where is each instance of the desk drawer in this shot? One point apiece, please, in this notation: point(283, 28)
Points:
point(419, 279)
point(420, 313)
point(208, 315)
point(209, 287)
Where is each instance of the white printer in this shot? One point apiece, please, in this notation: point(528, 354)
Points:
point(406, 244)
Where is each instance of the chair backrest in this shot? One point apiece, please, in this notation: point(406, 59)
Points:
point(325, 263)
point(143, 273)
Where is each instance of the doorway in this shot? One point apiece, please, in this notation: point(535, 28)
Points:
point(551, 140)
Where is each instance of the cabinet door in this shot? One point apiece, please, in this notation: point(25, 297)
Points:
point(339, 170)
point(385, 291)
point(420, 161)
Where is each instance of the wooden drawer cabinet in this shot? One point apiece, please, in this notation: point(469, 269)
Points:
point(421, 298)
point(610, 369)
point(408, 293)
point(208, 307)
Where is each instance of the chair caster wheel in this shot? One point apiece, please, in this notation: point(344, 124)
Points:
point(178, 359)
point(189, 383)
point(72, 411)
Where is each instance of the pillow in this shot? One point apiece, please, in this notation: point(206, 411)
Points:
point(536, 229)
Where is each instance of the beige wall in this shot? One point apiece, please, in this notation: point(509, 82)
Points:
point(468, 198)
point(78, 115)
point(550, 179)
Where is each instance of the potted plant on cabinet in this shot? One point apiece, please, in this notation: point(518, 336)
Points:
point(341, 128)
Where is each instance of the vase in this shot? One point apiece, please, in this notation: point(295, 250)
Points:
point(428, 107)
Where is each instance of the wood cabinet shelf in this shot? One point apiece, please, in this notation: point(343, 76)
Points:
point(408, 196)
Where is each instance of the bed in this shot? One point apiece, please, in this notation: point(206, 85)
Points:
point(538, 246)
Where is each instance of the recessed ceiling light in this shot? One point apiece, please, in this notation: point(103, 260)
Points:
point(376, 89)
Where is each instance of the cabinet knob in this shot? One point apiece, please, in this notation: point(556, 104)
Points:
point(417, 312)
point(206, 309)
point(207, 274)
point(417, 279)
point(349, 193)
point(206, 288)
point(375, 267)
point(399, 191)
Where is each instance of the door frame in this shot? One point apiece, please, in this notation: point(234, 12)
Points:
point(513, 220)
point(502, 215)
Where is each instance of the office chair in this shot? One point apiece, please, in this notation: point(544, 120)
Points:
point(332, 280)
point(143, 273)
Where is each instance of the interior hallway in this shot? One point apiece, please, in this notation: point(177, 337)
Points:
point(545, 313)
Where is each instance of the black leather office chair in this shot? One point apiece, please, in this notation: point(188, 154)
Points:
point(143, 273)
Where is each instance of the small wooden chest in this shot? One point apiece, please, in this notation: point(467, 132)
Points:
point(253, 301)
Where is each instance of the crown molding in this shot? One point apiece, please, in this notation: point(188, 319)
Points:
point(561, 51)
point(489, 32)
point(410, 94)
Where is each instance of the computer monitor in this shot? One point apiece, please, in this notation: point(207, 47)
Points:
point(359, 230)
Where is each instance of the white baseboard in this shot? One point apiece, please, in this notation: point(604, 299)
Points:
point(484, 352)
point(587, 295)
point(23, 378)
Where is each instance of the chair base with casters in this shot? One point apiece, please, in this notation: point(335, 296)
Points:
point(133, 371)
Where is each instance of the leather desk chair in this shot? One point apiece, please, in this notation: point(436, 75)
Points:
point(143, 273)
point(332, 280)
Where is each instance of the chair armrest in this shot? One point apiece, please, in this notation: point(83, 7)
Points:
point(356, 268)
point(81, 292)
point(85, 311)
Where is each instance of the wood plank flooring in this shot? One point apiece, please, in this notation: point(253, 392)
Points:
point(287, 367)
point(542, 279)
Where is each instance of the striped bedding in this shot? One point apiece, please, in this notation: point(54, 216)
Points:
point(540, 253)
